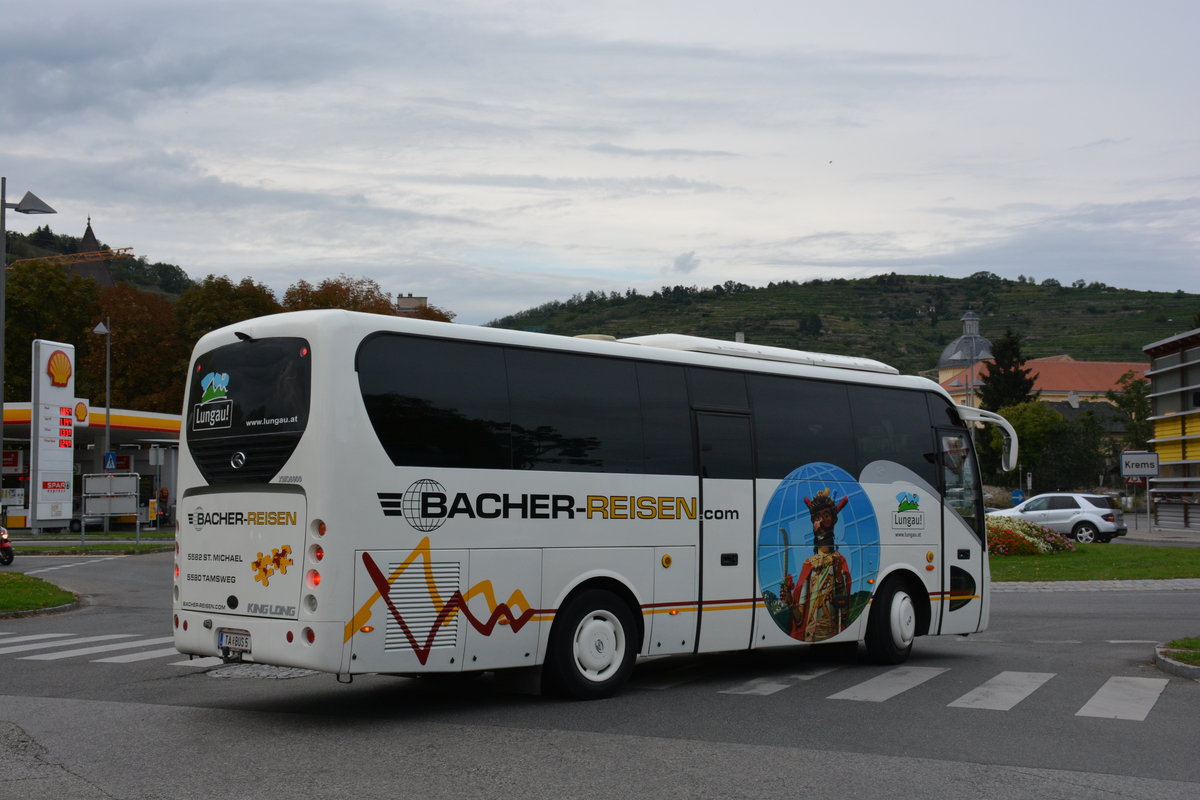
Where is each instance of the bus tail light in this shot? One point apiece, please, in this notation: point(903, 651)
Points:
point(312, 578)
point(309, 635)
point(316, 552)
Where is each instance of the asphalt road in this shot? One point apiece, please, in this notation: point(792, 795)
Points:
point(1058, 699)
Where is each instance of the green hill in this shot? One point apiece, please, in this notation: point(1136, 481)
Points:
point(903, 320)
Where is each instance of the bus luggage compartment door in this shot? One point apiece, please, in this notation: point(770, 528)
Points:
point(408, 611)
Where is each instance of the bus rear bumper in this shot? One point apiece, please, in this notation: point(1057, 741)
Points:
point(280, 642)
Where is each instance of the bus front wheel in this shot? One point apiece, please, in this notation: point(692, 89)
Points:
point(892, 624)
point(592, 647)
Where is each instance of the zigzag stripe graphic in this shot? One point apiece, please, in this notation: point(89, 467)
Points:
point(500, 614)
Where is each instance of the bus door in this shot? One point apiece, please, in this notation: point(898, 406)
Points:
point(962, 534)
point(727, 526)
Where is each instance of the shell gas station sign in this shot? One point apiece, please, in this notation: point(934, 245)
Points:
point(52, 432)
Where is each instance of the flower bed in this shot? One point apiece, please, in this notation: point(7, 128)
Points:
point(1008, 536)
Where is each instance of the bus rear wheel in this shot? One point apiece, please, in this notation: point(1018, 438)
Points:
point(892, 624)
point(591, 648)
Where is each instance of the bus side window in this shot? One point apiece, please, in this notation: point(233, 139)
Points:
point(893, 425)
point(574, 412)
point(666, 419)
point(435, 403)
point(799, 421)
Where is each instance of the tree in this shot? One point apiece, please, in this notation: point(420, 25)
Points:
point(432, 312)
point(1074, 456)
point(149, 357)
point(352, 294)
point(1006, 382)
point(1133, 401)
point(216, 302)
point(44, 302)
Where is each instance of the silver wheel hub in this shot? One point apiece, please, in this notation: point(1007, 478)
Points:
point(599, 646)
point(902, 619)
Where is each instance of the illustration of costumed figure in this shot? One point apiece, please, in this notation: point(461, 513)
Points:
point(819, 599)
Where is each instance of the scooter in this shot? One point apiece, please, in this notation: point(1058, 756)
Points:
point(6, 550)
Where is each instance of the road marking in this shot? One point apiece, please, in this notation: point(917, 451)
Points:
point(767, 686)
point(1004, 691)
point(206, 661)
point(130, 657)
point(1124, 698)
point(21, 648)
point(33, 637)
point(889, 684)
point(87, 651)
point(72, 564)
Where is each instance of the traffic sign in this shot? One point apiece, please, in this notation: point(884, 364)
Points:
point(110, 461)
point(1139, 464)
point(1018, 497)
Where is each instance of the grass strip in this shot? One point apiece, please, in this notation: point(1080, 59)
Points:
point(20, 592)
point(1186, 650)
point(1100, 562)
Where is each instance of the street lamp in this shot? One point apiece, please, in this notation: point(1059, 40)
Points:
point(103, 330)
point(29, 204)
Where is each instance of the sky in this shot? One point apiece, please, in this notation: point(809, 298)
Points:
point(497, 156)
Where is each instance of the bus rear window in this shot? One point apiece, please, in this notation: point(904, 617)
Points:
point(250, 388)
point(247, 408)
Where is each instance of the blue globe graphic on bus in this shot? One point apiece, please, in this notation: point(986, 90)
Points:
point(413, 508)
point(818, 546)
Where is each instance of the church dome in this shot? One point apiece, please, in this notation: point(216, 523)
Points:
point(968, 349)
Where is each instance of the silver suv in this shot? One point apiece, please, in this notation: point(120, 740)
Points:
point(1084, 517)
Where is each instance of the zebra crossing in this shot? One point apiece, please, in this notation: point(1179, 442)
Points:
point(61, 646)
point(1120, 697)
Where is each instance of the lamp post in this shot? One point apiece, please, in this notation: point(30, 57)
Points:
point(29, 204)
point(104, 330)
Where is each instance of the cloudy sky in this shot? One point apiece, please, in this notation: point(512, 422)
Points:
point(495, 156)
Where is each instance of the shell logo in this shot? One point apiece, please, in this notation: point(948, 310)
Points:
point(81, 412)
point(59, 368)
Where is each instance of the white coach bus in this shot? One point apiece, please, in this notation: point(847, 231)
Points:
point(369, 494)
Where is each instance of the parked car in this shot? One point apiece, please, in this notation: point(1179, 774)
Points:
point(81, 522)
point(1084, 517)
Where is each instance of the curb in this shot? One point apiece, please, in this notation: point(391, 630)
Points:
point(1168, 664)
point(37, 612)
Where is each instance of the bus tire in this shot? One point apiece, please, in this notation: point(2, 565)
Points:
point(592, 647)
point(892, 624)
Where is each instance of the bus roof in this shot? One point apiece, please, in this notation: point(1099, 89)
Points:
point(699, 344)
point(678, 348)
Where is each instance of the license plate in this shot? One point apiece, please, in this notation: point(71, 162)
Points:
point(234, 640)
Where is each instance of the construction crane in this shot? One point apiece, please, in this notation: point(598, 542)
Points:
point(79, 258)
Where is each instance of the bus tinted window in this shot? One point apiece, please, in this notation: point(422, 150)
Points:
point(436, 403)
point(666, 419)
point(893, 425)
point(797, 422)
point(717, 389)
point(573, 412)
point(253, 387)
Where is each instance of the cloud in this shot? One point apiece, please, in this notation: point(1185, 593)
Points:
point(486, 155)
point(685, 263)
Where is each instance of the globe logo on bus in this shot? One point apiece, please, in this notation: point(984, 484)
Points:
point(412, 505)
